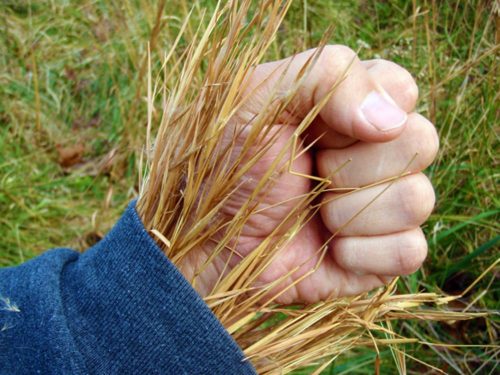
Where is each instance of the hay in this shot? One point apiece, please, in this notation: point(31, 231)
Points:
point(193, 168)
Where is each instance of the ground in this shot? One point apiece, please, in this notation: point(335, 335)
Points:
point(72, 122)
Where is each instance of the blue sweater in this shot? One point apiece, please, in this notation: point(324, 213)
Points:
point(121, 307)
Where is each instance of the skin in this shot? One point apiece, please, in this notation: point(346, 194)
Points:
point(385, 240)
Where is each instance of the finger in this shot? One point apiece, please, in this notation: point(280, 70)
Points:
point(382, 209)
point(325, 137)
point(328, 279)
point(394, 254)
point(355, 284)
point(392, 78)
point(395, 80)
point(359, 107)
point(372, 162)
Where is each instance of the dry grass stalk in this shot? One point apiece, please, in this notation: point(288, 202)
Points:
point(193, 168)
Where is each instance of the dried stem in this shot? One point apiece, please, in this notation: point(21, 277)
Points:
point(194, 167)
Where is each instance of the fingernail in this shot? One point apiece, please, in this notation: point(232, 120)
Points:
point(381, 112)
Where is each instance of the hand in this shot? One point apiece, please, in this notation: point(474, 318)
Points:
point(370, 120)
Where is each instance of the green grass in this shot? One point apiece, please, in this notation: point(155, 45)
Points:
point(73, 73)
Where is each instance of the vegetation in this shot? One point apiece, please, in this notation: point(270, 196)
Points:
point(73, 110)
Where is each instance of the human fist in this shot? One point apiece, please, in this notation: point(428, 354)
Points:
point(369, 121)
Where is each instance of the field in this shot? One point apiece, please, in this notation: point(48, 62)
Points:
point(73, 124)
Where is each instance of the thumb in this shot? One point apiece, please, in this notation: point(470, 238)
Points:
point(358, 108)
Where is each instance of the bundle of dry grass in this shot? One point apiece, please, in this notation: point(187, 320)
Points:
point(193, 168)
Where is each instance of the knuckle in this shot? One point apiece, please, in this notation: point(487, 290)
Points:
point(417, 198)
point(412, 254)
point(401, 82)
point(341, 51)
point(424, 140)
point(410, 88)
point(337, 56)
point(430, 140)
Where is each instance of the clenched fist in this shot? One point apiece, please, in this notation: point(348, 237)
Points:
point(370, 120)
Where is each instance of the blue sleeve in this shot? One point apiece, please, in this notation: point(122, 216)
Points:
point(120, 307)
